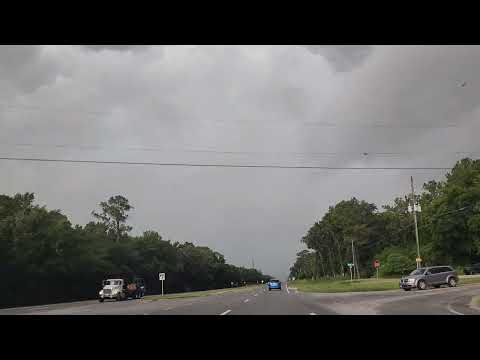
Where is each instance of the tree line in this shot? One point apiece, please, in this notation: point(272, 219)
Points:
point(46, 259)
point(448, 226)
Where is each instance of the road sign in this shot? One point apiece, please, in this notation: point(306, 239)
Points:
point(350, 266)
point(161, 277)
point(376, 265)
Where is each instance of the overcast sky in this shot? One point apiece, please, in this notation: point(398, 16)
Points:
point(284, 105)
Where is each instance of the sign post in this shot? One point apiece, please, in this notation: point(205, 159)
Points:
point(376, 265)
point(350, 266)
point(161, 277)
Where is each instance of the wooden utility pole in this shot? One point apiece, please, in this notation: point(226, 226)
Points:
point(414, 210)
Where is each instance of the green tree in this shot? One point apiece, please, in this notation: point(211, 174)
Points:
point(114, 214)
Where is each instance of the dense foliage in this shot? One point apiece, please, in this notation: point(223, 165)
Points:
point(449, 230)
point(45, 259)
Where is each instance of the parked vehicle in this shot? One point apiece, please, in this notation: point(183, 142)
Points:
point(472, 269)
point(121, 289)
point(435, 276)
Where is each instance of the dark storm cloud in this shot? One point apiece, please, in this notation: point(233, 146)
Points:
point(257, 104)
point(24, 68)
point(342, 57)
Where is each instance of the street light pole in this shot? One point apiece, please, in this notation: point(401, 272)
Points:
point(414, 210)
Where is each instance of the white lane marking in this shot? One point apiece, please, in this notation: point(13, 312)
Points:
point(33, 308)
point(312, 314)
point(145, 314)
point(287, 289)
point(449, 308)
point(246, 300)
point(255, 294)
point(225, 312)
point(169, 308)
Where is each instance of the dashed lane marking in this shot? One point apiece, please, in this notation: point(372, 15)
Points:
point(225, 312)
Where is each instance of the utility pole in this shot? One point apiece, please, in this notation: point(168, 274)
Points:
point(356, 264)
point(414, 210)
point(353, 258)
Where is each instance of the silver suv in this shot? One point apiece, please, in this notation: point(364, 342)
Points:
point(435, 276)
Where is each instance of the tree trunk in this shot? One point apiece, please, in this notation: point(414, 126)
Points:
point(118, 231)
point(340, 258)
point(331, 263)
point(321, 263)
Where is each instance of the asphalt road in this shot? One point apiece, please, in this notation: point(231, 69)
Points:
point(260, 301)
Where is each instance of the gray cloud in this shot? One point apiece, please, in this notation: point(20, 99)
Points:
point(116, 47)
point(25, 68)
point(259, 104)
point(342, 57)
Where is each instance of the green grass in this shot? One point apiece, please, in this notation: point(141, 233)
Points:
point(335, 286)
point(198, 293)
point(465, 279)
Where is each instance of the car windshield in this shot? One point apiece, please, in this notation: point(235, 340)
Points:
point(111, 282)
point(418, 272)
point(274, 281)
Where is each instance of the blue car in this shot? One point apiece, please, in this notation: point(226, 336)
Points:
point(274, 284)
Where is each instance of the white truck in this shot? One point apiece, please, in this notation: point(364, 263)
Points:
point(121, 289)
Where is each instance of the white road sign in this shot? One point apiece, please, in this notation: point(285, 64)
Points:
point(161, 276)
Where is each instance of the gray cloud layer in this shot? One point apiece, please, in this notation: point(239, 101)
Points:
point(342, 57)
point(116, 47)
point(24, 68)
point(261, 104)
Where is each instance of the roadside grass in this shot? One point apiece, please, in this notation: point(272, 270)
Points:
point(469, 279)
point(335, 286)
point(198, 293)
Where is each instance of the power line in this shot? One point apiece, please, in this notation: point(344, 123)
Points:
point(402, 229)
point(268, 166)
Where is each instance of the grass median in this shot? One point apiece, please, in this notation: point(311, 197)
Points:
point(335, 286)
point(199, 293)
